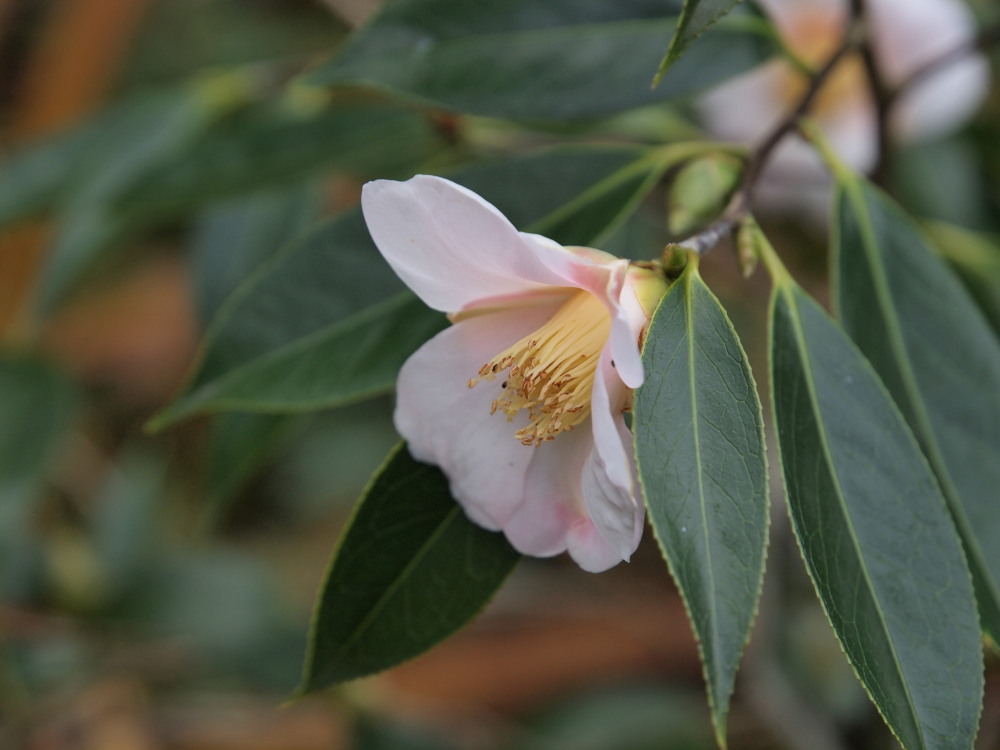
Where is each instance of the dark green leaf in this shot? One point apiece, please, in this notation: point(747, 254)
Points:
point(700, 449)
point(939, 358)
point(523, 59)
point(347, 361)
point(696, 18)
point(238, 445)
point(125, 522)
point(37, 407)
point(410, 570)
point(272, 142)
point(235, 238)
point(33, 178)
point(874, 530)
point(143, 140)
point(297, 336)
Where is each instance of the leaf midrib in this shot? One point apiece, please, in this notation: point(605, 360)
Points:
point(900, 352)
point(376, 609)
point(789, 293)
point(689, 311)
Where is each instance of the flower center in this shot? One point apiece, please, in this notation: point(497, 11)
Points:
point(550, 372)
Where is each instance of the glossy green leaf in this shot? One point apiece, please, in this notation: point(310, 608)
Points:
point(410, 570)
point(874, 530)
point(695, 19)
point(939, 358)
point(322, 325)
point(700, 450)
point(521, 59)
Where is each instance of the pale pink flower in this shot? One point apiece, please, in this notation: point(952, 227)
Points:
point(905, 35)
point(521, 400)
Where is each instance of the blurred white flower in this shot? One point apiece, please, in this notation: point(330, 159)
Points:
point(905, 35)
point(521, 401)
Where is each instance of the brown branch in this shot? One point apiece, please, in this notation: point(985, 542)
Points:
point(739, 204)
point(880, 93)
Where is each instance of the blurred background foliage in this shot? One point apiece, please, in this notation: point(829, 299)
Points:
point(156, 588)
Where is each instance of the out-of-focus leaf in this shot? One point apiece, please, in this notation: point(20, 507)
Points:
point(700, 451)
point(125, 523)
point(945, 181)
point(633, 717)
point(37, 407)
point(307, 293)
point(32, 179)
point(874, 530)
point(939, 358)
point(273, 142)
point(575, 195)
point(142, 141)
point(232, 240)
point(524, 60)
point(410, 570)
point(695, 19)
point(976, 258)
point(357, 358)
point(216, 34)
point(223, 608)
point(298, 336)
point(699, 192)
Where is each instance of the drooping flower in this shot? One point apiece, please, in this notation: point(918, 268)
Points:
point(904, 34)
point(520, 402)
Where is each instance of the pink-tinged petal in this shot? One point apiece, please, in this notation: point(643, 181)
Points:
point(452, 247)
point(610, 492)
point(588, 547)
point(448, 424)
point(553, 495)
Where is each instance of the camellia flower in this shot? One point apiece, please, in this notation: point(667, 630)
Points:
point(905, 35)
point(521, 400)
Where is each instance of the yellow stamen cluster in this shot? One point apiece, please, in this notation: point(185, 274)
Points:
point(550, 373)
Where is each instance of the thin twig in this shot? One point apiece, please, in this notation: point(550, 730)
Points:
point(880, 92)
point(739, 204)
point(986, 38)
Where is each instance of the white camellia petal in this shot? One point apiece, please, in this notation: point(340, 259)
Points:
point(912, 33)
point(588, 547)
point(448, 424)
point(609, 486)
point(553, 501)
point(452, 247)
